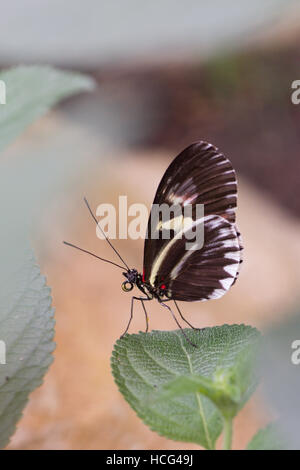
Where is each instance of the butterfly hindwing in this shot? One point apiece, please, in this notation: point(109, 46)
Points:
point(206, 273)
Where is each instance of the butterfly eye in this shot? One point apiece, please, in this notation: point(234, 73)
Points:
point(127, 286)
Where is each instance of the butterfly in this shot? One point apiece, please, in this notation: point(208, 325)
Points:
point(200, 176)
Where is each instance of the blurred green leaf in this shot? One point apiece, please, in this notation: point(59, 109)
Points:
point(269, 438)
point(30, 92)
point(281, 384)
point(26, 315)
point(27, 328)
point(172, 385)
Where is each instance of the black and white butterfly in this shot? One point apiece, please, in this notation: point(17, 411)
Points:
point(200, 174)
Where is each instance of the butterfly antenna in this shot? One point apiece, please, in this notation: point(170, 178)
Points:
point(107, 239)
point(90, 253)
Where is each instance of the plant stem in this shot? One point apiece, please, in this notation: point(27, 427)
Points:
point(227, 434)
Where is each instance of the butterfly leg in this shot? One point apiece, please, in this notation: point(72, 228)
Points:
point(177, 322)
point(184, 319)
point(146, 314)
point(131, 313)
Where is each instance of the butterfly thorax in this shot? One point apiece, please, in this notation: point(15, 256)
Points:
point(134, 278)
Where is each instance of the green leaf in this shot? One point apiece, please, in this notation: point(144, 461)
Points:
point(223, 393)
point(30, 92)
point(230, 385)
point(27, 329)
point(167, 381)
point(269, 438)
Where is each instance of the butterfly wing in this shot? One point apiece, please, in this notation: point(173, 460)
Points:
point(201, 274)
point(198, 175)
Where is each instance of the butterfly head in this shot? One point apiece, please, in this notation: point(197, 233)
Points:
point(132, 277)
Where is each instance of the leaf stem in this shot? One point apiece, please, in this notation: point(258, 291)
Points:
point(227, 434)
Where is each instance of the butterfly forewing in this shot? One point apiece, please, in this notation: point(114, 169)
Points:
point(198, 175)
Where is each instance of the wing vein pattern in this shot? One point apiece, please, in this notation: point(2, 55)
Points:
point(200, 174)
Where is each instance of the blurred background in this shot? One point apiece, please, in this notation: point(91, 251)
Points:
point(167, 74)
